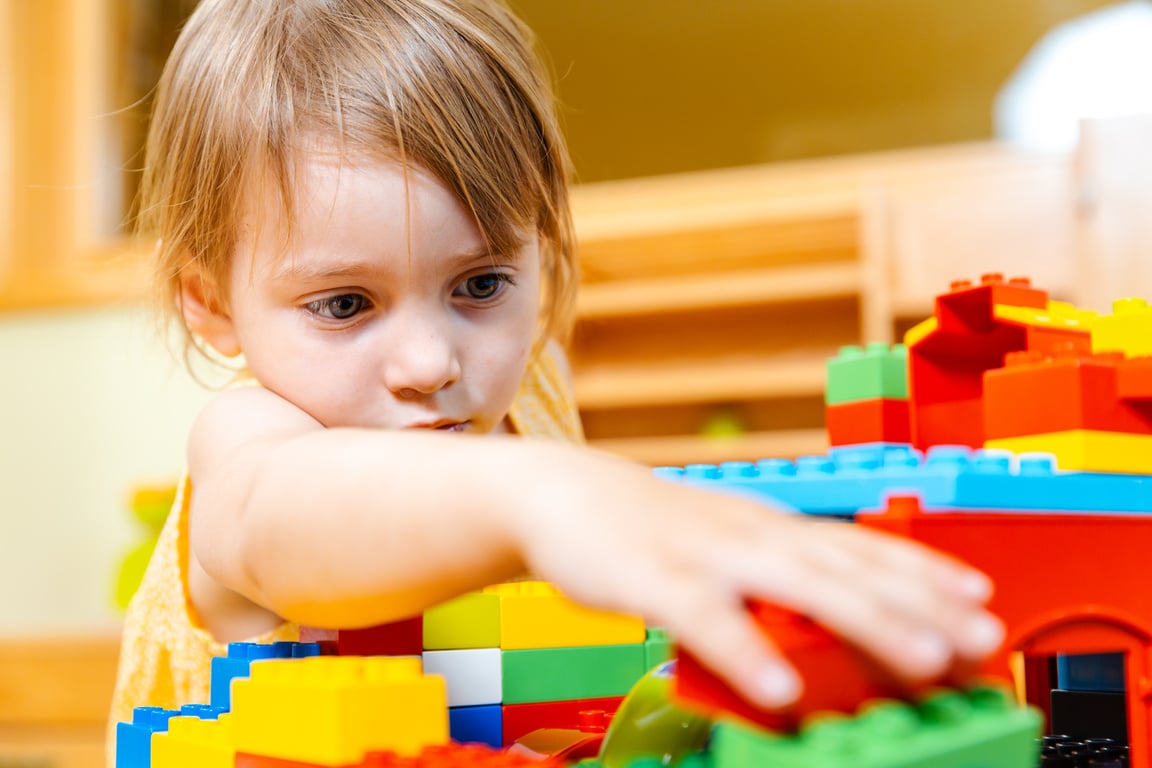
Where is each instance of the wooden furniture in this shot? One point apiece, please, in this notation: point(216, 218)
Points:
point(54, 698)
point(710, 302)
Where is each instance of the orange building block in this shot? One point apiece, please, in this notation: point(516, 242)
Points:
point(1034, 394)
point(867, 421)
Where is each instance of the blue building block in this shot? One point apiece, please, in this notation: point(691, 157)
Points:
point(240, 657)
point(134, 739)
point(852, 478)
point(482, 724)
point(202, 711)
point(1090, 672)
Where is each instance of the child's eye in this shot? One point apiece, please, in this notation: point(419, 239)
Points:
point(341, 307)
point(484, 286)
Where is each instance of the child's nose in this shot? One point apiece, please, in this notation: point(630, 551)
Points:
point(421, 358)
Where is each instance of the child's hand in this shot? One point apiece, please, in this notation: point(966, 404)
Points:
point(613, 536)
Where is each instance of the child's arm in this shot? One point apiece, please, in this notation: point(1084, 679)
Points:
point(348, 527)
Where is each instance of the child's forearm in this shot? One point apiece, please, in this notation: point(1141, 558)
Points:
point(349, 527)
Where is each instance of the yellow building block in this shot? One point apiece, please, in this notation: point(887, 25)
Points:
point(525, 614)
point(191, 742)
point(1128, 329)
point(1057, 314)
point(330, 710)
point(1087, 450)
point(469, 621)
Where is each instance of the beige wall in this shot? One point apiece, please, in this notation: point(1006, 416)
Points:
point(91, 404)
point(655, 86)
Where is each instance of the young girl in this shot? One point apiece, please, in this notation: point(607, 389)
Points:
point(368, 200)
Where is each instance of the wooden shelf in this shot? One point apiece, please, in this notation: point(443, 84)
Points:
point(695, 449)
point(748, 287)
point(700, 380)
point(54, 699)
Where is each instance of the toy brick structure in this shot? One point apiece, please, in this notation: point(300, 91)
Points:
point(486, 668)
point(1030, 457)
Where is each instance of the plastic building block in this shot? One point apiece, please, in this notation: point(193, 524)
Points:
point(949, 729)
point(1090, 672)
point(524, 614)
point(192, 742)
point(468, 621)
point(837, 677)
point(397, 638)
point(1087, 450)
point(565, 744)
point(868, 421)
point(473, 675)
point(1089, 715)
point(520, 719)
point(457, 756)
point(1059, 750)
point(134, 739)
point(333, 709)
point(861, 477)
point(650, 724)
point(150, 507)
point(239, 659)
point(658, 647)
point(438, 756)
point(875, 371)
point(477, 725)
point(1128, 329)
point(585, 672)
point(973, 328)
point(1034, 394)
point(1084, 602)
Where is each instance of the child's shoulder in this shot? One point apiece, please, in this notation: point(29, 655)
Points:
point(240, 415)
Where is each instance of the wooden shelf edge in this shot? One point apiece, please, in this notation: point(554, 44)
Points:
point(700, 381)
point(739, 288)
point(695, 449)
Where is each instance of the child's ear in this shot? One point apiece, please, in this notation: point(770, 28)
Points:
point(204, 314)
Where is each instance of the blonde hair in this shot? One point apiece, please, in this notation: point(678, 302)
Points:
point(451, 86)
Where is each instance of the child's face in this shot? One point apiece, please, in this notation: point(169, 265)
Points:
point(387, 310)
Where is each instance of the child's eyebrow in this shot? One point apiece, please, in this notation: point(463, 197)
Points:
point(307, 270)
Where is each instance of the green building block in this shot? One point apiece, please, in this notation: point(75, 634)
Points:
point(980, 728)
point(657, 647)
point(872, 372)
point(583, 672)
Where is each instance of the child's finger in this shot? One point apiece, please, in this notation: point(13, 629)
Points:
point(721, 634)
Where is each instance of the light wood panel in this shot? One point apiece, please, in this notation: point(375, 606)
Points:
point(54, 699)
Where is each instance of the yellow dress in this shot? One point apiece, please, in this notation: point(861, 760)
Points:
point(166, 653)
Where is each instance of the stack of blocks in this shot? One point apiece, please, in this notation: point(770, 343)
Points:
point(1029, 455)
point(520, 656)
point(283, 702)
point(866, 395)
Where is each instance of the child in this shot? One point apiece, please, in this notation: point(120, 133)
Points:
point(368, 199)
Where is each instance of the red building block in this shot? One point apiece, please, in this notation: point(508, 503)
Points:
point(565, 744)
point(1065, 583)
point(946, 365)
point(397, 638)
point(837, 677)
point(867, 421)
point(521, 719)
point(1035, 394)
point(439, 756)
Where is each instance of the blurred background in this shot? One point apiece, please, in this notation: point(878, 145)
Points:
point(856, 138)
point(93, 405)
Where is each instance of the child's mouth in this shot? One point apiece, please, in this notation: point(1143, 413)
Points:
point(460, 427)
